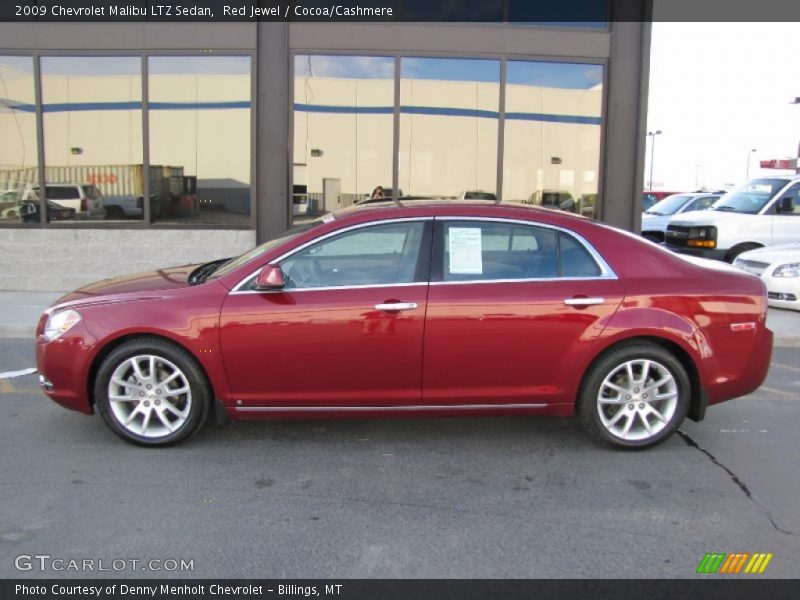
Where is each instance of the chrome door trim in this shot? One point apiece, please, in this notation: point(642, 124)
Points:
point(422, 407)
point(390, 306)
point(238, 287)
point(583, 301)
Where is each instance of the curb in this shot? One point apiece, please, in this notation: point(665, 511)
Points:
point(28, 332)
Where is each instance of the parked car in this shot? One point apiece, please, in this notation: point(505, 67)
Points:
point(657, 217)
point(779, 268)
point(459, 308)
point(763, 212)
point(476, 195)
point(128, 206)
point(13, 207)
point(558, 199)
point(86, 200)
point(650, 197)
point(388, 192)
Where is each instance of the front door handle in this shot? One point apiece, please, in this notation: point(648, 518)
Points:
point(391, 306)
point(583, 301)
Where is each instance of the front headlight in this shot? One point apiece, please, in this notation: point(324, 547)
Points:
point(787, 270)
point(59, 323)
point(702, 237)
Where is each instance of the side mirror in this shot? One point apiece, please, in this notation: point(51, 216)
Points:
point(270, 278)
point(785, 205)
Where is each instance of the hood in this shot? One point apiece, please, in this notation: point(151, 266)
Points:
point(149, 281)
point(783, 253)
point(655, 222)
point(709, 217)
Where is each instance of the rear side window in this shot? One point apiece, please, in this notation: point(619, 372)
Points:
point(575, 259)
point(490, 251)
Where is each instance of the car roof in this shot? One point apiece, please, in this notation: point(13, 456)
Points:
point(468, 208)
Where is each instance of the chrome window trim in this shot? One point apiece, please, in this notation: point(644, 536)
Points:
point(238, 288)
point(606, 272)
point(395, 407)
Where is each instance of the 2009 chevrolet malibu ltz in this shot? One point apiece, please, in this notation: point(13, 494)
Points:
point(428, 309)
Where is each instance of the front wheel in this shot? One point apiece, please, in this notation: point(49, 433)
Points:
point(635, 396)
point(151, 392)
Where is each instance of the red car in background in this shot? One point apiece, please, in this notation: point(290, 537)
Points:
point(430, 309)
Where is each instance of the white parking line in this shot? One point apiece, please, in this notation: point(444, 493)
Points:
point(10, 374)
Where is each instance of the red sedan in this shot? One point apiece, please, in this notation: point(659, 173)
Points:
point(429, 309)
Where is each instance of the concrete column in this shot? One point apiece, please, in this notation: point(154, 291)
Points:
point(272, 130)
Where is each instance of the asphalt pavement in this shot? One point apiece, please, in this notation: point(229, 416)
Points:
point(441, 498)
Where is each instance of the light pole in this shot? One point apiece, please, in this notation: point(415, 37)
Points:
point(797, 164)
point(747, 172)
point(652, 134)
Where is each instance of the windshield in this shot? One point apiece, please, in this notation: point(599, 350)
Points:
point(237, 262)
point(751, 197)
point(669, 205)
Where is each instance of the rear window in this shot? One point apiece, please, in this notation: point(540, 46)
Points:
point(62, 192)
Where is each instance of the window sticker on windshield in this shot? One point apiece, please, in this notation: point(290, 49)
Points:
point(465, 250)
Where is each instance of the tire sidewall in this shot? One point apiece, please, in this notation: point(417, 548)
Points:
point(183, 360)
point(587, 404)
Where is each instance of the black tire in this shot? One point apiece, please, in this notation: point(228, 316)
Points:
point(590, 408)
point(737, 250)
point(114, 213)
point(192, 406)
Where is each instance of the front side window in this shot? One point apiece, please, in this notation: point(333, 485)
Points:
point(491, 251)
point(377, 255)
point(793, 192)
point(702, 203)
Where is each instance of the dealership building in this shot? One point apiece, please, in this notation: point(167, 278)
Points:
point(166, 143)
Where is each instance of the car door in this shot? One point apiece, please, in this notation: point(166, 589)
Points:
point(786, 226)
point(345, 331)
point(511, 308)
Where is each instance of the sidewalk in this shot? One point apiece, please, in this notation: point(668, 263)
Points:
point(19, 314)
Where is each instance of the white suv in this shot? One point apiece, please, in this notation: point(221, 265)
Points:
point(763, 212)
point(86, 199)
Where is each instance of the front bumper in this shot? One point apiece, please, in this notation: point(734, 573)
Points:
point(715, 253)
point(63, 366)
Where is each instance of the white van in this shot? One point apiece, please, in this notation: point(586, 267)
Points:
point(763, 212)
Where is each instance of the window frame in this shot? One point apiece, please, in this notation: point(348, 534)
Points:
point(421, 275)
point(503, 57)
point(144, 55)
point(437, 256)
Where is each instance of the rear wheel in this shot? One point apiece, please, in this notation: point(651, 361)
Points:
point(635, 396)
point(151, 392)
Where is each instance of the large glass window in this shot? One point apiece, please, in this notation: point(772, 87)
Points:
point(448, 126)
point(199, 129)
point(378, 255)
point(93, 136)
point(18, 148)
point(552, 135)
point(343, 115)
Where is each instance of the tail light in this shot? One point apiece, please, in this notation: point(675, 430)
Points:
point(84, 205)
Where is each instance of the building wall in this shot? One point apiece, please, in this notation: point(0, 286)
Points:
point(54, 258)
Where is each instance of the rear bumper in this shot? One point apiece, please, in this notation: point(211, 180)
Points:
point(739, 362)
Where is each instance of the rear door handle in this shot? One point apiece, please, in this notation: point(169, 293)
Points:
point(396, 306)
point(583, 301)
